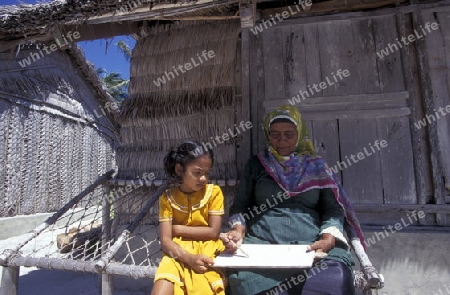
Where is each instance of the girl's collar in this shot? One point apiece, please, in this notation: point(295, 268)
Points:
point(186, 193)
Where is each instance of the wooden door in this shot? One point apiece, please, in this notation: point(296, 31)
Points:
point(348, 117)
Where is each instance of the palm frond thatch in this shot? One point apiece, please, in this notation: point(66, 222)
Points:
point(197, 104)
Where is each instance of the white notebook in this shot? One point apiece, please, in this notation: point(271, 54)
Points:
point(267, 256)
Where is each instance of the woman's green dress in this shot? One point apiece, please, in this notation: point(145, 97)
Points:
point(274, 218)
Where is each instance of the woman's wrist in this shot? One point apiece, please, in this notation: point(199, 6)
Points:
point(239, 228)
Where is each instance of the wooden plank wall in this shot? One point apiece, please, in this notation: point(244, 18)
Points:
point(378, 101)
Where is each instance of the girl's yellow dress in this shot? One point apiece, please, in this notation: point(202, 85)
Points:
point(191, 210)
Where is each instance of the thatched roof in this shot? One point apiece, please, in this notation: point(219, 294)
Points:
point(46, 77)
point(23, 20)
point(39, 21)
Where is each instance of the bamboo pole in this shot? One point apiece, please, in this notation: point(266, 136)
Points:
point(53, 263)
point(52, 219)
point(113, 268)
point(108, 255)
point(135, 271)
point(374, 279)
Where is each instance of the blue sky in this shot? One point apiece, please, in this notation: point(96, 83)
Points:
point(108, 57)
point(97, 52)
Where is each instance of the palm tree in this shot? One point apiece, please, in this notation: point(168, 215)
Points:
point(116, 86)
point(125, 49)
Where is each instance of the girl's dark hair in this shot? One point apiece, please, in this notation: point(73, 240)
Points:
point(185, 153)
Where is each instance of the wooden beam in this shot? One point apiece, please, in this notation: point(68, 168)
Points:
point(335, 107)
point(86, 33)
point(100, 31)
point(159, 11)
point(329, 6)
point(209, 17)
point(305, 99)
point(394, 208)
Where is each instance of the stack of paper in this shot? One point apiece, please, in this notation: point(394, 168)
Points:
point(267, 256)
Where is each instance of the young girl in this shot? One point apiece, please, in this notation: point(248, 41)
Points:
point(190, 216)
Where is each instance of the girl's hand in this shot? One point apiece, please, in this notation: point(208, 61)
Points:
point(325, 244)
point(199, 263)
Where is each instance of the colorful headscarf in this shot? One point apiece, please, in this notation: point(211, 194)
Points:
point(303, 170)
point(304, 145)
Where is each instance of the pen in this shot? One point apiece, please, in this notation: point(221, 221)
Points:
point(224, 237)
point(243, 252)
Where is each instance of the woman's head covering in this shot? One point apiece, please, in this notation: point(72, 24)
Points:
point(303, 170)
point(289, 113)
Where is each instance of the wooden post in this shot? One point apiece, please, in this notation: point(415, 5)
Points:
point(10, 280)
point(244, 151)
point(428, 94)
point(247, 12)
point(107, 284)
point(416, 110)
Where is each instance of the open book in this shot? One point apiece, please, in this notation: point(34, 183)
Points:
point(267, 256)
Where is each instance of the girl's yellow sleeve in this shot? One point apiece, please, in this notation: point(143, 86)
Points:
point(165, 210)
point(216, 206)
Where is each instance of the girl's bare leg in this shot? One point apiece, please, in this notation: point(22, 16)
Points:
point(162, 287)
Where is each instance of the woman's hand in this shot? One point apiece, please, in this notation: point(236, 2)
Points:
point(325, 244)
point(233, 239)
point(199, 263)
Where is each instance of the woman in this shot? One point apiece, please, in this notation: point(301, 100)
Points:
point(312, 212)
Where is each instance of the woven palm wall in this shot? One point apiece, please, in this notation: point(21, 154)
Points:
point(198, 104)
point(54, 137)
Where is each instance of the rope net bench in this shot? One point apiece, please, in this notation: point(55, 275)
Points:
point(88, 235)
point(113, 235)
